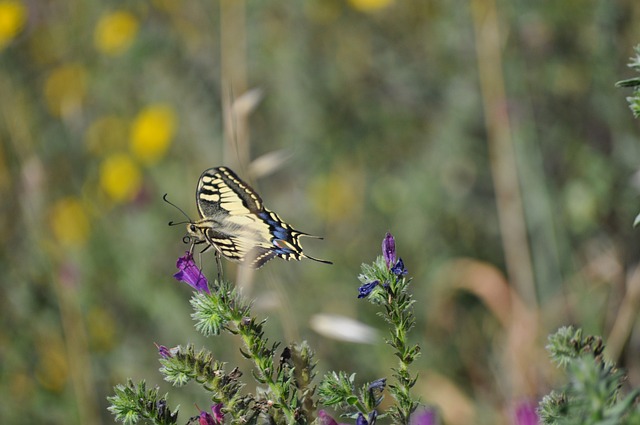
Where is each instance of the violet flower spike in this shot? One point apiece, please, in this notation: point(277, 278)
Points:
point(164, 352)
point(361, 420)
point(378, 384)
point(325, 419)
point(216, 411)
point(423, 417)
point(389, 250)
point(366, 289)
point(206, 419)
point(526, 414)
point(399, 269)
point(190, 274)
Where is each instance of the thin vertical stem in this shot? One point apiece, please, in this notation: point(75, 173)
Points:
point(233, 46)
point(502, 155)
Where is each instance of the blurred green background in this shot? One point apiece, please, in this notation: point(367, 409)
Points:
point(486, 135)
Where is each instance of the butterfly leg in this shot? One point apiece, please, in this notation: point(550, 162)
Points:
point(219, 266)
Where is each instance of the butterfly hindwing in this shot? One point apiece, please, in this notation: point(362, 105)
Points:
point(235, 222)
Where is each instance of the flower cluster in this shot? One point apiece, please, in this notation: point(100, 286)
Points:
point(384, 283)
point(394, 266)
point(289, 395)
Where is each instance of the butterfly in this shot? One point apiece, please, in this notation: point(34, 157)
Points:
point(235, 222)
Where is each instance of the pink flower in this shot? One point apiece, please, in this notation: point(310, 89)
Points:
point(526, 414)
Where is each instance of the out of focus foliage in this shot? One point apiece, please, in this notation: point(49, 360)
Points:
point(593, 393)
point(378, 108)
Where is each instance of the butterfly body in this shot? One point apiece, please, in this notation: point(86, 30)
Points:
point(236, 223)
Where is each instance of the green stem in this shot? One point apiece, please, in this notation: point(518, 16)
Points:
point(248, 336)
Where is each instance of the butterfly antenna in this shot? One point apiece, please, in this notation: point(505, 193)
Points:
point(172, 223)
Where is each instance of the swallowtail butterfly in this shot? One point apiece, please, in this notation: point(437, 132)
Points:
point(236, 223)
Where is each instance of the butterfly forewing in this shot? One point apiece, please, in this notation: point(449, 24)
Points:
point(236, 223)
point(221, 189)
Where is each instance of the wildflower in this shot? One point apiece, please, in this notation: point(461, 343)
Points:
point(216, 410)
point(206, 419)
point(120, 177)
point(389, 250)
point(166, 353)
point(399, 269)
point(65, 89)
point(369, 5)
point(190, 273)
point(325, 419)
point(13, 16)
point(161, 405)
point(361, 420)
point(115, 32)
point(378, 384)
point(423, 417)
point(216, 418)
point(366, 289)
point(69, 221)
point(151, 132)
point(526, 414)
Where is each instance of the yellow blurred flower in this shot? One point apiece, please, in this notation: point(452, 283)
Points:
point(338, 197)
point(101, 329)
point(120, 177)
point(69, 222)
point(107, 134)
point(369, 5)
point(65, 88)
point(151, 132)
point(52, 369)
point(12, 18)
point(115, 32)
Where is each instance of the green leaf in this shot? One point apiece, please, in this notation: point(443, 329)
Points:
point(631, 82)
point(636, 221)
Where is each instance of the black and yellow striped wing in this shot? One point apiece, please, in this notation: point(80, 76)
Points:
point(235, 222)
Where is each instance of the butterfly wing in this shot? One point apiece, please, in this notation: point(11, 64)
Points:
point(235, 221)
point(220, 191)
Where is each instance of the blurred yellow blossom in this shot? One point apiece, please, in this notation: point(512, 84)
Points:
point(120, 177)
point(151, 132)
point(101, 329)
point(115, 32)
point(369, 5)
point(52, 369)
point(12, 18)
point(69, 221)
point(65, 88)
point(107, 134)
point(339, 196)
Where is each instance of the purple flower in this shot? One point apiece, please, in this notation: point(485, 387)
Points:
point(190, 274)
point(389, 250)
point(366, 289)
point(423, 417)
point(164, 352)
point(525, 414)
point(326, 419)
point(216, 410)
point(399, 269)
point(378, 384)
point(207, 419)
point(361, 420)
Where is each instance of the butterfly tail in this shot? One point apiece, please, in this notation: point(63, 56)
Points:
point(316, 259)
